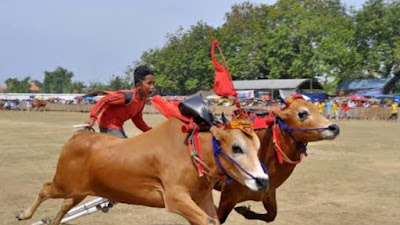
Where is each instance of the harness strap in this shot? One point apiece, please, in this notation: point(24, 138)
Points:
point(284, 126)
point(217, 150)
point(276, 141)
point(195, 152)
point(194, 146)
point(289, 130)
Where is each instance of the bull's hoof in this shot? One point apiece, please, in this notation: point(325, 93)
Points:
point(211, 221)
point(21, 215)
point(242, 209)
point(46, 220)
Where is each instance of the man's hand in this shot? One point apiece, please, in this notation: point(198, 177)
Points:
point(91, 122)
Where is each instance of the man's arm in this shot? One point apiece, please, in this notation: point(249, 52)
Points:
point(139, 122)
point(114, 98)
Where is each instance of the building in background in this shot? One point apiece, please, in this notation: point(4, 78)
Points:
point(367, 86)
point(277, 88)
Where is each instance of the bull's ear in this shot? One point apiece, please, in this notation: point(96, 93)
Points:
point(218, 133)
point(224, 119)
point(281, 114)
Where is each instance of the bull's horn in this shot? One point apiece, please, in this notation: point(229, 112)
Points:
point(224, 119)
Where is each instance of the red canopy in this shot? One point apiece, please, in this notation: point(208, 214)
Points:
point(357, 97)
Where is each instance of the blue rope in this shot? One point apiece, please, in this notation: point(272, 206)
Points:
point(264, 168)
point(284, 126)
point(290, 130)
point(217, 150)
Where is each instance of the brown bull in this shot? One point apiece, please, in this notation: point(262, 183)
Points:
point(153, 169)
point(39, 104)
point(299, 115)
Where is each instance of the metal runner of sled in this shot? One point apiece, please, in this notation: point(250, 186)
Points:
point(85, 209)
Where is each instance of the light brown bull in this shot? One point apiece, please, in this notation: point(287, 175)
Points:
point(39, 104)
point(299, 115)
point(152, 169)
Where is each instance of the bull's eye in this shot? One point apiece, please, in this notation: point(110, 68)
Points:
point(303, 114)
point(237, 150)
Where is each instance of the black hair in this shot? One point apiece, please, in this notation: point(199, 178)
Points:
point(141, 72)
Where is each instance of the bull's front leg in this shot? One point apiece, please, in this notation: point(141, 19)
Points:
point(269, 205)
point(207, 205)
point(180, 202)
point(226, 205)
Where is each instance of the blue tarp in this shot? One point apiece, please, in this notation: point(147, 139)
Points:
point(359, 84)
point(315, 96)
point(377, 95)
point(89, 98)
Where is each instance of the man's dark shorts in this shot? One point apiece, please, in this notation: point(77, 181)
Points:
point(116, 132)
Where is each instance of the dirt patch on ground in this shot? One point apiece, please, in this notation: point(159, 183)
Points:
point(352, 180)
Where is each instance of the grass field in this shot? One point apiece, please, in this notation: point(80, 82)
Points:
point(354, 179)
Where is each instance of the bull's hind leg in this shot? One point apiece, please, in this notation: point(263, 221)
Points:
point(68, 204)
point(45, 193)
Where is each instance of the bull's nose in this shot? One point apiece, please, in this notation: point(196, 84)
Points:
point(335, 128)
point(262, 183)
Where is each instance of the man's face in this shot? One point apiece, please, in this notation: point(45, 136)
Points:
point(146, 87)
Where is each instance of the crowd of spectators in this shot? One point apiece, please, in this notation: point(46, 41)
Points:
point(332, 108)
point(341, 108)
point(14, 104)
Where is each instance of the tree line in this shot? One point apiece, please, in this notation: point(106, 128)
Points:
point(60, 81)
point(317, 39)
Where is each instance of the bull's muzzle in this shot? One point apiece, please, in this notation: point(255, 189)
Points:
point(334, 128)
point(262, 183)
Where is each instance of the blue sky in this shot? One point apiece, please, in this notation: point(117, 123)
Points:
point(95, 38)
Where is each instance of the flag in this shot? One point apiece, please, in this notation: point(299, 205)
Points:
point(168, 109)
point(223, 85)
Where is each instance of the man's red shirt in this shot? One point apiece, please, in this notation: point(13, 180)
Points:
point(114, 111)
